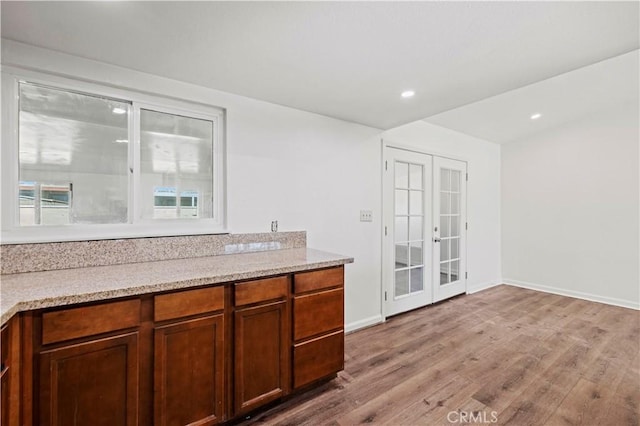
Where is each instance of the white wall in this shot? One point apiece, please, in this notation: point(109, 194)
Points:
point(314, 173)
point(307, 171)
point(483, 192)
point(570, 210)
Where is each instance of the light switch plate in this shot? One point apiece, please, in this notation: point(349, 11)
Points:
point(366, 216)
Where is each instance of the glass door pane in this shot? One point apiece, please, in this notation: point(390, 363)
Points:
point(409, 230)
point(449, 219)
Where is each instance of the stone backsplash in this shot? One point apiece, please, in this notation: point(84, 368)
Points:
point(18, 258)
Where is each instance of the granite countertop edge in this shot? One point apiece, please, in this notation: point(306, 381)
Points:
point(20, 292)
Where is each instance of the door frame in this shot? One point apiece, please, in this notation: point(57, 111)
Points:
point(387, 143)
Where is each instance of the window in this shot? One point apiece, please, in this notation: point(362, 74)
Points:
point(87, 162)
point(71, 141)
point(177, 162)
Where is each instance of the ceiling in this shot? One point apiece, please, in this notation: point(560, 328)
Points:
point(507, 117)
point(348, 60)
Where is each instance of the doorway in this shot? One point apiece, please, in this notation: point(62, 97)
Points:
point(424, 219)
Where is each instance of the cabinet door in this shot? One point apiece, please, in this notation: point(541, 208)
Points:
point(4, 376)
point(189, 372)
point(261, 355)
point(93, 383)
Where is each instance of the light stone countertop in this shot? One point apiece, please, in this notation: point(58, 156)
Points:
point(36, 290)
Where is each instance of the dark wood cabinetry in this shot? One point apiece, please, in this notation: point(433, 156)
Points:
point(189, 357)
point(4, 374)
point(318, 325)
point(189, 372)
point(261, 348)
point(89, 365)
point(92, 383)
point(197, 356)
point(10, 363)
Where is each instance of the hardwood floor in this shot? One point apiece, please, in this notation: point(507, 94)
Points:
point(505, 355)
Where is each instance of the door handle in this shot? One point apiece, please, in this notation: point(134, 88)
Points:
point(436, 240)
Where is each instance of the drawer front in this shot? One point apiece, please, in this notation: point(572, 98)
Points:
point(318, 280)
point(317, 313)
point(188, 302)
point(261, 290)
point(318, 358)
point(85, 321)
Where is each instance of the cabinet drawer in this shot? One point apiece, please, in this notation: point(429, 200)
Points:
point(188, 302)
point(318, 280)
point(85, 321)
point(317, 313)
point(318, 358)
point(261, 290)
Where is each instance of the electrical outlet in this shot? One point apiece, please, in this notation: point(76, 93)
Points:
point(366, 216)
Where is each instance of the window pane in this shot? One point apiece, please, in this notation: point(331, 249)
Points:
point(445, 202)
point(64, 139)
point(417, 283)
point(176, 154)
point(415, 176)
point(402, 175)
point(454, 270)
point(455, 228)
point(416, 253)
point(444, 226)
point(415, 230)
point(402, 202)
point(445, 177)
point(444, 250)
point(415, 203)
point(401, 230)
point(402, 283)
point(402, 255)
point(454, 243)
point(444, 273)
point(455, 203)
point(455, 180)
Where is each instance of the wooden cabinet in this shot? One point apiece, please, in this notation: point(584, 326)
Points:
point(318, 325)
point(261, 359)
point(4, 374)
point(198, 356)
point(189, 358)
point(94, 383)
point(89, 365)
point(10, 373)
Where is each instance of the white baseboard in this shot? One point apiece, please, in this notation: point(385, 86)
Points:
point(571, 293)
point(366, 322)
point(482, 286)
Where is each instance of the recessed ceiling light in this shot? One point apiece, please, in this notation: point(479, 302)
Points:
point(122, 140)
point(117, 110)
point(536, 116)
point(407, 94)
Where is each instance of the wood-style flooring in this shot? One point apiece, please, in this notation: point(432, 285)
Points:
point(505, 355)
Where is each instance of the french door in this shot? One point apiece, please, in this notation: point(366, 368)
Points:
point(423, 246)
point(449, 236)
point(407, 249)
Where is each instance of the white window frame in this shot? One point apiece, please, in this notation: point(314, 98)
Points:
point(13, 233)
